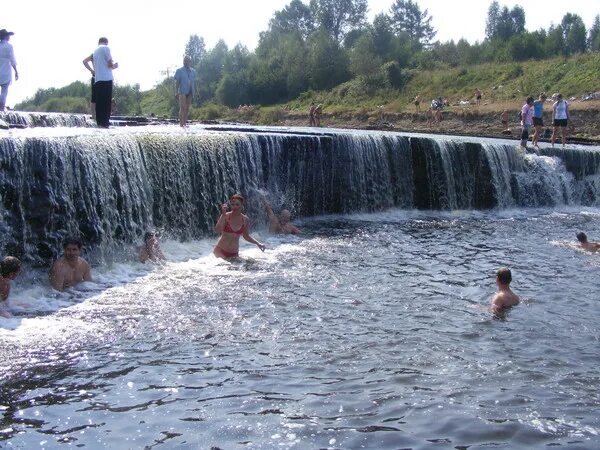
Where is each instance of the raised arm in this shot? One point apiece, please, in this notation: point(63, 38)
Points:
point(274, 224)
point(220, 225)
point(86, 63)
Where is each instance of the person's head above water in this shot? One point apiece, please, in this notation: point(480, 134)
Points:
point(582, 237)
point(503, 276)
point(236, 202)
point(72, 248)
point(10, 267)
point(284, 216)
point(150, 237)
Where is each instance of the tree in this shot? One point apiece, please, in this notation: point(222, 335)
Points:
point(406, 16)
point(502, 24)
point(338, 17)
point(555, 41)
point(195, 48)
point(363, 58)
point(327, 62)
point(383, 35)
point(210, 71)
point(574, 34)
point(294, 18)
point(594, 36)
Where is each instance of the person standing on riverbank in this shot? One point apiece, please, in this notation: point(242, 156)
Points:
point(9, 269)
point(560, 118)
point(505, 297)
point(311, 114)
point(8, 63)
point(103, 70)
point(70, 269)
point(477, 95)
point(526, 121)
point(185, 86)
point(538, 118)
point(231, 226)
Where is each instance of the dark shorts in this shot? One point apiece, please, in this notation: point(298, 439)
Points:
point(479, 97)
point(561, 123)
point(538, 122)
point(93, 99)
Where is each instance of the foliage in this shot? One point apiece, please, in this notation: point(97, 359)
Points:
point(406, 16)
point(338, 17)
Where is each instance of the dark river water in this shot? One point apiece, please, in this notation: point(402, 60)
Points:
point(369, 331)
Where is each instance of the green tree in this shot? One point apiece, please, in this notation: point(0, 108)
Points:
point(406, 16)
point(294, 18)
point(363, 58)
point(383, 36)
point(574, 34)
point(338, 17)
point(210, 71)
point(502, 23)
point(195, 48)
point(594, 35)
point(327, 62)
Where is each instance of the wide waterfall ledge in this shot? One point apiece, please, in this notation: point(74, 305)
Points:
point(110, 186)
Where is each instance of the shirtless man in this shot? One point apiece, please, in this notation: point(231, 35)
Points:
point(505, 297)
point(280, 224)
point(70, 269)
point(9, 269)
point(584, 244)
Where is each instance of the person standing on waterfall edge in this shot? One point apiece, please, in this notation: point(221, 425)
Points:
point(560, 119)
point(103, 67)
point(231, 226)
point(185, 83)
point(8, 63)
point(526, 121)
point(538, 118)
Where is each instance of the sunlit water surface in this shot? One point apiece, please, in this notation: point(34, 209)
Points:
point(370, 331)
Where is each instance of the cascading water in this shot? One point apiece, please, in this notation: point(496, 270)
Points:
point(109, 187)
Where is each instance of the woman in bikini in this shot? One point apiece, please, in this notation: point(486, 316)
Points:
point(231, 226)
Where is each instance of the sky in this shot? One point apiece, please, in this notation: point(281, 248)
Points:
point(148, 37)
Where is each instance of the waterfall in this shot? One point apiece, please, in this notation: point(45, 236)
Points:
point(111, 186)
point(34, 119)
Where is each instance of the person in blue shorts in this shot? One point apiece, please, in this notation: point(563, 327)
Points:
point(538, 118)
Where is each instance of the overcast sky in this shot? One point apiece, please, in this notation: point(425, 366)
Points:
point(149, 36)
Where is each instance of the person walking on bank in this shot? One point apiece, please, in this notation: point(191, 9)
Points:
point(185, 83)
point(8, 63)
point(103, 70)
point(560, 118)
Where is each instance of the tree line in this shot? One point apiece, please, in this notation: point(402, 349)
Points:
point(318, 45)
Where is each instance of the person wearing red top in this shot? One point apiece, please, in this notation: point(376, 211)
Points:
point(231, 226)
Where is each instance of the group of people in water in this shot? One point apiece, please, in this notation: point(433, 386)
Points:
point(71, 269)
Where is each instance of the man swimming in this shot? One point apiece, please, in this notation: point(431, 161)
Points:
point(585, 244)
point(70, 269)
point(151, 251)
point(505, 297)
point(280, 224)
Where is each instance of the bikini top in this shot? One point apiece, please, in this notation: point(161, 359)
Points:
point(228, 229)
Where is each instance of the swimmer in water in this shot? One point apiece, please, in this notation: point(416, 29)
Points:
point(280, 224)
point(9, 269)
point(585, 244)
point(231, 226)
point(70, 269)
point(505, 297)
point(151, 251)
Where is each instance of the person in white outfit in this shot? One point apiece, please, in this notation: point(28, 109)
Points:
point(560, 118)
point(8, 63)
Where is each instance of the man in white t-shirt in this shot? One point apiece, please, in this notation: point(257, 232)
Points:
point(103, 67)
point(8, 63)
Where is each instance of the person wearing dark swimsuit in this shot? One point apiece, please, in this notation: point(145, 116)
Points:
point(231, 226)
